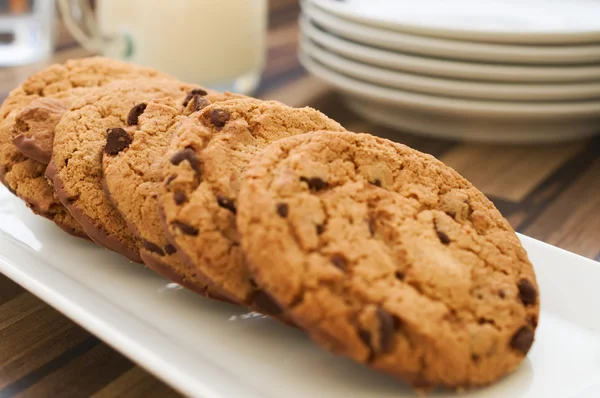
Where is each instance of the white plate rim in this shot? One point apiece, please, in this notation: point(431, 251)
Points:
point(444, 67)
point(542, 92)
point(500, 109)
point(432, 127)
point(453, 49)
point(514, 36)
point(172, 373)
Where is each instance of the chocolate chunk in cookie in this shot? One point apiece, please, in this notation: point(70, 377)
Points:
point(117, 139)
point(134, 114)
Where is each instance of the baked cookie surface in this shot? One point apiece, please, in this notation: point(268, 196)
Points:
point(28, 117)
point(206, 159)
point(49, 94)
point(79, 143)
point(387, 256)
point(132, 177)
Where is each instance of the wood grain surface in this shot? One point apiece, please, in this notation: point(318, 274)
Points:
point(549, 192)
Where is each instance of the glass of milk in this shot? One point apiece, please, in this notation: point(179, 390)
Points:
point(27, 31)
point(220, 44)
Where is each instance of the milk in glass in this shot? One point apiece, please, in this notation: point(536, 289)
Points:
point(217, 43)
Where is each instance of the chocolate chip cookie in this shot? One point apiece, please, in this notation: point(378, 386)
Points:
point(28, 117)
point(387, 256)
point(79, 143)
point(58, 87)
point(198, 201)
point(132, 167)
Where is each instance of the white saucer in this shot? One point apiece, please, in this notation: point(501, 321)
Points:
point(502, 53)
point(464, 119)
point(452, 88)
point(445, 68)
point(506, 21)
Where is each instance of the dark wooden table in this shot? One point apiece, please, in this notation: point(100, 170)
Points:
point(549, 192)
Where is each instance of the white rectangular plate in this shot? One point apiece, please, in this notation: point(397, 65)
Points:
point(208, 349)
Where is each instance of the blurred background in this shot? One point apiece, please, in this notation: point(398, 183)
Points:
point(506, 92)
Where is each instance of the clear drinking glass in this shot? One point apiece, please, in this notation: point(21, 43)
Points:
point(216, 43)
point(27, 31)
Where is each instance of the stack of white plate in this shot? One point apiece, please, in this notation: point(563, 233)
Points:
point(488, 70)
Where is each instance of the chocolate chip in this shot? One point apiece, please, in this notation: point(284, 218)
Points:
point(170, 179)
point(117, 139)
point(179, 197)
point(386, 330)
point(200, 103)
point(314, 183)
point(320, 229)
point(297, 300)
point(475, 358)
point(371, 226)
point(377, 182)
point(134, 114)
point(185, 228)
point(399, 275)
point(397, 322)
point(445, 239)
point(282, 209)
point(197, 92)
point(170, 249)
point(226, 203)
point(339, 261)
point(187, 99)
point(152, 247)
point(365, 336)
point(266, 304)
point(189, 155)
point(451, 213)
point(522, 340)
point(527, 292)
point(501, 293)
point(532, 321)
point(219, 117)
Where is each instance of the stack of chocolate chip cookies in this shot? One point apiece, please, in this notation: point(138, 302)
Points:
point(379, 252)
